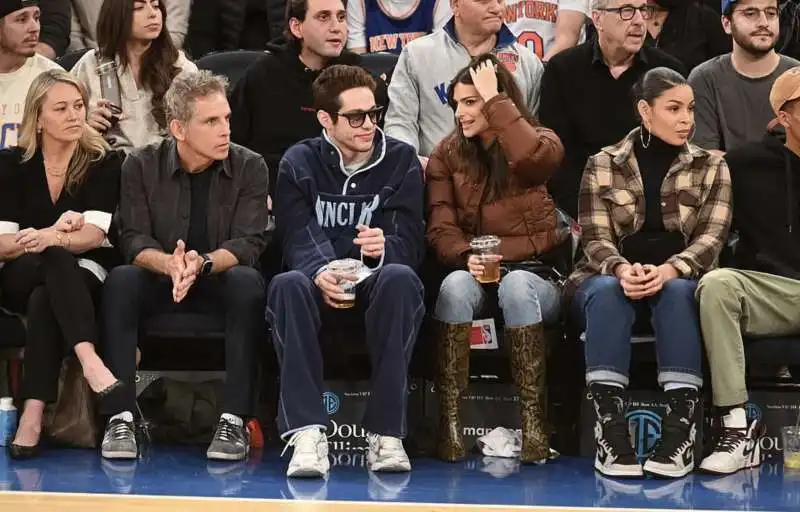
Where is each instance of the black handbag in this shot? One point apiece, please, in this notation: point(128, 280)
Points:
point(652, 248)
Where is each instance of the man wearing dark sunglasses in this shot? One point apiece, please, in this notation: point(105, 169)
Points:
point(586, 90)
point(352, 193)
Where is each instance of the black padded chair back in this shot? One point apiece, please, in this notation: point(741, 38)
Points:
point(380, 64)
point(68, 60)
point(231, 64)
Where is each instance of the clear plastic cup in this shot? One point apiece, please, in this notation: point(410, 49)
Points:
point(109, 84)
point(791, 447)
point(344, 269)
point(487, 248)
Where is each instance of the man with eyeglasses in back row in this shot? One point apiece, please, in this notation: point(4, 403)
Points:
point(732, 91)
point(352, 193)
point(586, 90)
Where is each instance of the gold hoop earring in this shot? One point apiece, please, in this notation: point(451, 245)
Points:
point(645, 145)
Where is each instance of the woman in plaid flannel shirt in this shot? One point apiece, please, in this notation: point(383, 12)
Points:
point(655, 212)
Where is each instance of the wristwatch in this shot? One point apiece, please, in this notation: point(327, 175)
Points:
point(207, 265)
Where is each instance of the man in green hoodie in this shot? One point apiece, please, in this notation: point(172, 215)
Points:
point(760, 297)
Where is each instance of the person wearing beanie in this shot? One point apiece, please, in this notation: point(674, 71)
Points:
point(757, 298)
point(19, 63)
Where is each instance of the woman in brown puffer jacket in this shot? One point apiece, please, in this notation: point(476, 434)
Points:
point(488, 178)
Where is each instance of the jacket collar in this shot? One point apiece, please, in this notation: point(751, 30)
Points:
point(291, 53)
point(174, 161)
point(504, 37)
point(622, 151)
point(332, 156)
point(597, 54)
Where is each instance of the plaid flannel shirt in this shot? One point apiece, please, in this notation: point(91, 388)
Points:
point(696, 200)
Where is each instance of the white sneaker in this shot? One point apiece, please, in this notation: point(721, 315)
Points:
point(310, 457)
point(736, 449)
point(387, 454)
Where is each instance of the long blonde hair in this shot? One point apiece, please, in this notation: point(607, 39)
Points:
point(91, 146)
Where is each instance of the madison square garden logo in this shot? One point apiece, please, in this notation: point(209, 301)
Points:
point(331, 402)
point(753, 412)
point(645, 430)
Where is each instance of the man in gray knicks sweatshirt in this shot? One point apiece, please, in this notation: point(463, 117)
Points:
point(418, 111)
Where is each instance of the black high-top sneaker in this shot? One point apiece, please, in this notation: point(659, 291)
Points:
point(673, 455)
point(615, 455)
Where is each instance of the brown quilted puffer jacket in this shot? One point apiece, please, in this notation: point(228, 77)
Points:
point(524, 217)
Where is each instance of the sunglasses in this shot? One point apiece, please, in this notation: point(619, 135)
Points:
point(356, 119)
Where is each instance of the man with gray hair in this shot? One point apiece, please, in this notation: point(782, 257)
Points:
point(586, 90)
point(193, 218)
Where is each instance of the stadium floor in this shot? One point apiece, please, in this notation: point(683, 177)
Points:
point(180, 478)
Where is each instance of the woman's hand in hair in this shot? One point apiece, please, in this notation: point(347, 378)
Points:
point(102, 116)
point(484, 78)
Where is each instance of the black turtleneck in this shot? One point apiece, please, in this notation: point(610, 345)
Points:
point(654, 162)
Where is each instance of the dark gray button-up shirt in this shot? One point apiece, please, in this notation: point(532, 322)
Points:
point(155, 203)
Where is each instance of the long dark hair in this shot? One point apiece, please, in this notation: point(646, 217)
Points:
point(479, 163)
point(158, 62)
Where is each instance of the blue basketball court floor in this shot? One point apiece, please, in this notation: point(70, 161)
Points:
point(80, 480)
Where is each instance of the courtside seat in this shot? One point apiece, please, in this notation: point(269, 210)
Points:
point(12, 343)
point(232, 64)
point(773, 351)
point(380, 64)
point(68, 60)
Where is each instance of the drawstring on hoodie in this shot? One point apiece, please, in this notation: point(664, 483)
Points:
point(787, 163)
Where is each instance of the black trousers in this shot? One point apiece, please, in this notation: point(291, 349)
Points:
point(393, 298)
point(131, 294)
point(58, 298)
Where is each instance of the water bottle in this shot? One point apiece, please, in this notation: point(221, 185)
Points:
point(8, 420)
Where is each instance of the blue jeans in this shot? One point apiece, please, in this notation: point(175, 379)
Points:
point(524, 297)
point(607, 316)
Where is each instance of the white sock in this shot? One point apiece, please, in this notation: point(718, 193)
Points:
point(609, 383)
point(736, 418)
point(230, 418)
point(124, 416)
point(669, 386)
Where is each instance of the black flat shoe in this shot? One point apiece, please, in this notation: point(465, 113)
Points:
point(19, 452)
point(110, 389)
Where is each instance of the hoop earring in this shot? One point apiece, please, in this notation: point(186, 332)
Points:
point(645, 145)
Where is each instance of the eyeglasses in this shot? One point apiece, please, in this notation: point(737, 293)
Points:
point(754, 13)
point(356, 119)
point(627, 12)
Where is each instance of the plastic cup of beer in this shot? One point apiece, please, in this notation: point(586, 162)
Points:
point(487, 248)
point(346, 270)
point(791, 447)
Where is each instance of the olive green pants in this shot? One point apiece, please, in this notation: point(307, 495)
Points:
point(736, 304)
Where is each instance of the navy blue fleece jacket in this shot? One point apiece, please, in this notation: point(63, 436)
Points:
point(317, 205)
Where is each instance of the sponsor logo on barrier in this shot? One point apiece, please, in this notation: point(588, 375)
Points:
point(331, 402)
point(753, 412)
point(347, 459)
point(645, 430)
point(346, 437)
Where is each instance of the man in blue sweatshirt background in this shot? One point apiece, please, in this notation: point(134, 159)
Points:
point(350, 193)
